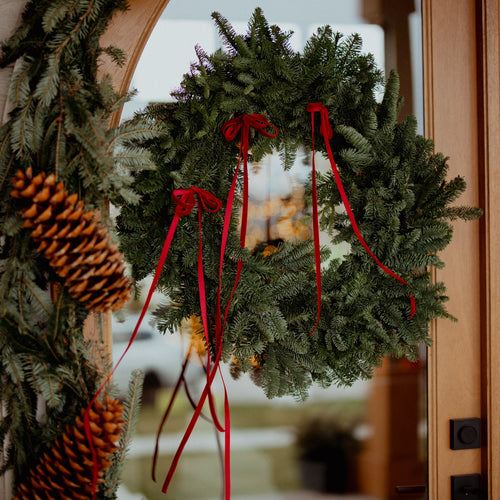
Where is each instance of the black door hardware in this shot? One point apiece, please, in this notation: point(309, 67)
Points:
point(465, 433)
point(466, 487)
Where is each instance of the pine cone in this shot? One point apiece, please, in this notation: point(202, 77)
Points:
point(65, 471)
point(72, 240)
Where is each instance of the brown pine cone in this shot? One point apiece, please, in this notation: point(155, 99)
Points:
point(72, 240)
point(65, 471)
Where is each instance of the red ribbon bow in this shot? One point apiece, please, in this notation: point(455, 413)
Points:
point(327, 133)
point(242, 123)
point(239, 125)
point(230, 129)
point(186, 200)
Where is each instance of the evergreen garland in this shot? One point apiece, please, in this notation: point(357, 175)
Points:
point(396, 185)
point(59, 124)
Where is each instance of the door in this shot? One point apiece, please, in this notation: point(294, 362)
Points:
point(461, 114)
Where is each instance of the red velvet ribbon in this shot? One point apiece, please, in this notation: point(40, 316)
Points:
point(240, 125)
point(231, 129)
point(180, 381)
point(192, 423)
point(186, 200)
point(327, 133)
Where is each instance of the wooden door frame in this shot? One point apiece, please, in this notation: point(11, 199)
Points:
point(488, 42)
point(130, 31)
point(488, 45)
point(461, 96)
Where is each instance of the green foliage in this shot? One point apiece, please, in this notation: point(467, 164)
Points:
point(130, 416)
point(47, 374)
point(396, 184)
point(59, 124)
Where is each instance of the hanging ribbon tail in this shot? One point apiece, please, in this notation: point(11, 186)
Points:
point(227, 444)
point(237, 126)
point(211, 372)
point(166, 414)
point(203, 307)
point(185, 200)
point(181, 381)
point(327, 133)
point(211, 204)
point(189, 430)
point(241, 126)
point(412, 305)
point(209, 420)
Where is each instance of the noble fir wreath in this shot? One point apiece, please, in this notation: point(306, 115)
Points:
point(396, 186)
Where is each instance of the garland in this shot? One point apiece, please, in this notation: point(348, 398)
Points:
point(60, 166)
point(395, 183)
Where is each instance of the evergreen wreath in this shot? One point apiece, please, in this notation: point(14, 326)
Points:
point(396, 185)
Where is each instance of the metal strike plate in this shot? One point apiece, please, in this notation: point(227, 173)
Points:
point(466, 487)
point(416, 489)
point(465, 433)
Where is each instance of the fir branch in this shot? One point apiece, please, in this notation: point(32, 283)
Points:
point(389, 107)
point(130, 416)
